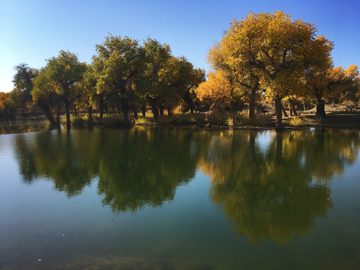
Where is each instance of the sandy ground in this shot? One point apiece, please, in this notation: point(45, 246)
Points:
point(337, 116)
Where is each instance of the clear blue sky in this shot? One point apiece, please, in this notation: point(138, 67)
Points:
point(34, 30)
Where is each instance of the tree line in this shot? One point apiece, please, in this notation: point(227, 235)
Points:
point(124, 75)
point(264, 56)
point(272, 56)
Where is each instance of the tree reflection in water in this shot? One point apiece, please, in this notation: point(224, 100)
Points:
point(274, 192)
point(277, 192)
point(135, 167)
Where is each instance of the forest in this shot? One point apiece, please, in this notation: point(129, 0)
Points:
point(265, 58)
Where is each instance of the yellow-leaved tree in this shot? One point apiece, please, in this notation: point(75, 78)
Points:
point(272, 51)
point(334, 82)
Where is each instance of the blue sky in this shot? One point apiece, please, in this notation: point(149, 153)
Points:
point(34, 30)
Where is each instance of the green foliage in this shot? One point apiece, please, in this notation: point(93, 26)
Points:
point(119, 63)
point(56, 84)
point(23, 85)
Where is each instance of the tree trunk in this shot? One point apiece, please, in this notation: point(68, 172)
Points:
point(90, 113)
point(153, 103)
point(161, 110)
point(58, 112)
point(67, 109)
point(46, 111)
point(169, 109)
point(292, 106)
point(125, 110)
point(252, 102)
point(135, 111)
point(233, 118)
point(101, 108)
point(278, 108)
point(155, 112)
point(189, 101)
point(252, 106)
point(143, 111)
point(320, 108)
point(284, 111)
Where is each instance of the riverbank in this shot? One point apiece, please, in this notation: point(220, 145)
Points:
point(337, 116)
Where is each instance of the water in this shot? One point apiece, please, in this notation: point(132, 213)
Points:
point(180, 199)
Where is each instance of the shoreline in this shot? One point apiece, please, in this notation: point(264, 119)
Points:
point(306, 120)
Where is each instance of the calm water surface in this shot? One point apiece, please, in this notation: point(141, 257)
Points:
point(180, 199)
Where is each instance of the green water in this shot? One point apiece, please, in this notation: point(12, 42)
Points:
point(180, 199)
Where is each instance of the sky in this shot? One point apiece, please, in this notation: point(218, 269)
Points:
point(32, 31)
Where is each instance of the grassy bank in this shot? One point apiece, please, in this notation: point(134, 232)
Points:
point(333, 119)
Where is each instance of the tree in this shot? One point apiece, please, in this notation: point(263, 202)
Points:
point(45, 95)
point(198, 76)
point(120, 62)
point(154, 85)
point(332, 83)
point(352, 84)
point(23, 82)
point(185, 79)
point(234, 65)
point(7, 107)
point(275, 49)
point(90, 93)
point(219, 91)
point(59, 79)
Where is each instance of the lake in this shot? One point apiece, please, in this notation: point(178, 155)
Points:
point(180, 198)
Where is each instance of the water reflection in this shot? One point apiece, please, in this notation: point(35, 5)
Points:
point(274, 189)
point(277, 192)
point(22, 126)
point(135, 167)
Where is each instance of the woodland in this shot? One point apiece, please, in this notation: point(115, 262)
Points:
point(266, 62)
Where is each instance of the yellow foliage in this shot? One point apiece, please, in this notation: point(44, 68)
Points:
point(217, 87)
point(274, 49)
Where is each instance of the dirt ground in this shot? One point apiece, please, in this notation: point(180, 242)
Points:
point(337, 116)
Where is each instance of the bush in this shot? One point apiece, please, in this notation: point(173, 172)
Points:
point(218, 118)
point(164, 120)
point(199, 118)
point(299, 120)
point(242, 119)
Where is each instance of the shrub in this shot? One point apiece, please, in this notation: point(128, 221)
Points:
point(242, 119)
point(164, 120)
point(218, 118)
point(199, 117)
point(299, 120)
